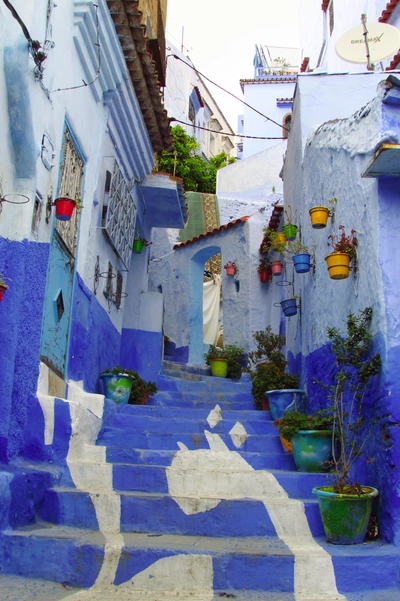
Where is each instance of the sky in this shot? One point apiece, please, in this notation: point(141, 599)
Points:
point(219, 36)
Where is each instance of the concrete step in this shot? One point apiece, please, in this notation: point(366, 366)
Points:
point(204, 383)
point(258, 461)
point(184, 400)
point(243, 415)
point(153, 478)
point(198, 421)
point(125, 438)
point(74, 557)
point(161, 514)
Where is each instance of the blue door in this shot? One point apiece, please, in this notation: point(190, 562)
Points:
point(57, 307)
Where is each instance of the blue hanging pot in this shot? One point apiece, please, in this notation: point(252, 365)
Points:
point(302, 263)
point(289, 307)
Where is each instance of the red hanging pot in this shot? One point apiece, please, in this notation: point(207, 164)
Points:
point(64, 208)
point(264, 276)
point(276, 267)
point(3, 288)
point(230, 268)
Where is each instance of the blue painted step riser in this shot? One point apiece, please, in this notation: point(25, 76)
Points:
point(175, 405)
point(56, 559)
point(148, 479)
point(277, 461)
point(162, 515)
point(211, 385)
point(188, 425)
point(168, 441)
point(61, 560)
point(187, 412)
point(244, 402)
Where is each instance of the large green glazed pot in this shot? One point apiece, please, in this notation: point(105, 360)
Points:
point(117, 387)
point(345, 517)
point(219, 367)
point(312, 450)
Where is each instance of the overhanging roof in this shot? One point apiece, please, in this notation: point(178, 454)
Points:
point(134, 43)
point(385, 162)
point(165, 201)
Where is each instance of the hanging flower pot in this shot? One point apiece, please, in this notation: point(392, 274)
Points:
point(278, 241)
point(138, 245)
point(289, 231)
point(302, 263)
point(289, 307)
point(230, 268)
point(276, 267)
point(338, 265)
point(319, 217)
point(3, 288)
point(345, 516)
point(64, 208)
point(264, 276)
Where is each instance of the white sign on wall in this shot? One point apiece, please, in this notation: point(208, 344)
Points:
point(383, 42)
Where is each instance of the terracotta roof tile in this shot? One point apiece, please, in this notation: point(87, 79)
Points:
point(275, 218)
point(217, 230)
point(386, 13)
point(304, 64)
point(325, 4)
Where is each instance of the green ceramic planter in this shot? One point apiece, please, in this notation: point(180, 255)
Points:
point(312, 450)
point(219, 367)
point(345, 517)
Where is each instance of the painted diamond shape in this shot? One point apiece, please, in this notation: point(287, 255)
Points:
point(238, 435)
point(214, 417)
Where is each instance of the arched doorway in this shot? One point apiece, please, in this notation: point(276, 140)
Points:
point(196, 345)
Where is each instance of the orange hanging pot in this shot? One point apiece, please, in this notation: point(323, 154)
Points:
point(338, 265)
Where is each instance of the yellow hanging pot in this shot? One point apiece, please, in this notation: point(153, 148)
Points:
point(338, 265)
point(319, 217)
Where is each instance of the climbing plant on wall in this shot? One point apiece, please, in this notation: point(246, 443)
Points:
point(198, 174)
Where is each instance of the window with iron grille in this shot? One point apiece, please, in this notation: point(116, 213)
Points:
point(121, 216)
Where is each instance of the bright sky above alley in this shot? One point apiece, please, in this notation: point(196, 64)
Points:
point(219, 36)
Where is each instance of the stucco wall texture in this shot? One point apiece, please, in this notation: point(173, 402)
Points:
point(327, 161)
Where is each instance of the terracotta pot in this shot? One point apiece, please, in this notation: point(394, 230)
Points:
point(276, 267)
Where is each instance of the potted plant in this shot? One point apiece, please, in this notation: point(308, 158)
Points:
point(276, 267)
point(264, 269)
point(225, 361)
point(230, 268)
point(267, 367)
point(310, 437)
point(117, 383)
point(319, 215)
point(3, 286)
point(138, 245)
point(289, 229)
point(141, 390)
point(300, 256)
point(272, 240)
point(65, 207)
point(344, 251)
point(345, 505)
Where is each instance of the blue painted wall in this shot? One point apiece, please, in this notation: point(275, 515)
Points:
point(94, 341)
point(141, 351)
point(25, 263)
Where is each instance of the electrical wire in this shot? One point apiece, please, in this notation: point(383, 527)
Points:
point(227, 91)
point(224, 133)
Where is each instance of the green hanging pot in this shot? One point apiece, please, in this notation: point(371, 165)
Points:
point(290, 231)
point(345, 517)
point(138, 246)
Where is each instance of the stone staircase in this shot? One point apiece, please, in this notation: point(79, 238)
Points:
point(188, 497)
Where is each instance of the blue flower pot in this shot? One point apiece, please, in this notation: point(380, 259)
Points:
point(302, 263)
point(289, 307)
point(279, 400)
point(117, 387)
point(312, 450)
